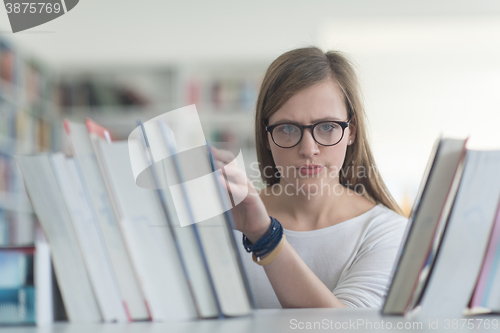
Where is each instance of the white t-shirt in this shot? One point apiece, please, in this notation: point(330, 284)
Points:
point(354, 258)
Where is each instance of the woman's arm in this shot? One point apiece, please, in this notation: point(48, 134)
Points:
point(295, 285)
point(365, 282)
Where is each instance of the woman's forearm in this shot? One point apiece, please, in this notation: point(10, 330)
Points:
point(295, 285)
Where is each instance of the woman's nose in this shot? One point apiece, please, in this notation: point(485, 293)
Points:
point(308, 147)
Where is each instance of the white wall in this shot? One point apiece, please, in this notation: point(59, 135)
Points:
point(422, 77)
point(111, 31)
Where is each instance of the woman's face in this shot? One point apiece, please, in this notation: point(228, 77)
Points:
point(309, 166)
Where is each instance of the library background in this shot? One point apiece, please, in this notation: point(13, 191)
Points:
point(412, 64)
point(35, 101)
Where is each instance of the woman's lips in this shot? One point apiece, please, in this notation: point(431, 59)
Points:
point(307, 170)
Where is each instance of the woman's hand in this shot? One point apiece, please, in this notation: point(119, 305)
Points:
point(250, 215)
point(293, 282)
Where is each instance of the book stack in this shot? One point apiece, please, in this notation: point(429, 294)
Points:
point(27, 126)
point(124, 253)
point(26, 297)
point(449, 258)
point(118, 250)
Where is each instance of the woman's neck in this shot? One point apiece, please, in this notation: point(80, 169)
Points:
point(307, 211)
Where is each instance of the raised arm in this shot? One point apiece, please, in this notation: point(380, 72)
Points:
point(294, 284)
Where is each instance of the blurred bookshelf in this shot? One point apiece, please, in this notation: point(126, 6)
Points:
point(34, 99)
point(224, 93)
point(29, 124)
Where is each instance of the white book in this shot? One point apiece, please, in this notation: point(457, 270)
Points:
point(491, 289)
point(148, 237)
point(222, 261)
point(26, 285)
point(47, 200)
point(90, 240)
point(204, 294)
point(464, 243)
point(425, 226)
point(44, 301)
point(94, 185)
point(215, 233)
point(187, 240)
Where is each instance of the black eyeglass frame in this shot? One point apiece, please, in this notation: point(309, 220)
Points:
point(343, 124)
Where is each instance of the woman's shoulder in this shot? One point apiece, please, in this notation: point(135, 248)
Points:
point(374, 212)
point(385, 224)
point(383, 214)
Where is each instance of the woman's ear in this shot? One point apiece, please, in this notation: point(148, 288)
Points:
point(352, 134)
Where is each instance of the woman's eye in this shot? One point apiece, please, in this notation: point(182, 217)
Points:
point(326, 127)
point(288, 129)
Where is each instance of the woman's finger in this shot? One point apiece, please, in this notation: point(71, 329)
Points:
point(222, 155)
point(235, 173)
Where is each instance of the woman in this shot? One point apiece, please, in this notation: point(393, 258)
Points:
point(341, 226)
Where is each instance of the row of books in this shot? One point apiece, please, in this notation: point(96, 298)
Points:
point(94, 93)
point(5, 218)
point(223, 94)
point(26, 284)
point(17, 223)
point(232, 136)
point(6, 124)
point(7, 63)
point(25, 103)
point(7, 165)
point(449, 261)
point(33, 133)
point(25, 127)
point(22, 76)
point(29, 135)
point(22, 131)
point(118, 250)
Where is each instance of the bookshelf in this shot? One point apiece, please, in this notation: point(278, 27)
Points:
point(28, 124)
point(34, 99)
point(225, 94)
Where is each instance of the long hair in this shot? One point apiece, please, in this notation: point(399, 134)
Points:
point(301, 68)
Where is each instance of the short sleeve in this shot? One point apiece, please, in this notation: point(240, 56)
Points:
point(364, 283)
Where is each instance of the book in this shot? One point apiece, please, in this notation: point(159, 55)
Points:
point(90, 240)
point(146, 233)
point(425, 226)
point(94, 184)
point(216, 233)
point(231, 227)
point(186, 239)
point(26, 285)
point(487, 289)
point(69, 267)
point(463, 246)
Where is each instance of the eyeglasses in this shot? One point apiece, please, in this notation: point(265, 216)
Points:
point(325, 133)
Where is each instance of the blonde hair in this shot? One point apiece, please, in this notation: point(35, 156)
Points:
point(296, 70)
